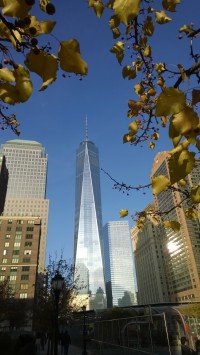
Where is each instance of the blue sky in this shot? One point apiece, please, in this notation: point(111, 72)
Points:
point(56, 118)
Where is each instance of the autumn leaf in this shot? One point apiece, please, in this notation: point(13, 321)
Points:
point(148, 27)
point(159, 184)
point(126, 10)
point(114, 22)
point(7, 75)
point(123, 213)
point(151, 145)
point(129, 137)
point(170, 101)
point(116, 32)
point(180, 165)
point(195, 194)
point(44, 65)
point(118, 50)
point(133, 127)
point(191, 213)
point(128, 72)
point(185, 121)
point(170, 5)
point(173, 225)
point(147, 51)
point(16, 8)
point(98, 6)
point(162, 18)
point(70, 58)
point(43, 27)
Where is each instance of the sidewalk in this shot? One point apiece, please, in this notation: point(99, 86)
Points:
point(73, 350)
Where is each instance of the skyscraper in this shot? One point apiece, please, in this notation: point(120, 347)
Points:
point(26, 193)
point(3, 182)
point(181, 249)
point(119, 265)
point(88, 225)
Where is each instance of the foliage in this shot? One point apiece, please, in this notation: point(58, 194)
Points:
point(191, 310)
point(20, 37)
point(163, 99)
point(44, 310)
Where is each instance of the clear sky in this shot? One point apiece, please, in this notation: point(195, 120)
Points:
point(56, 117)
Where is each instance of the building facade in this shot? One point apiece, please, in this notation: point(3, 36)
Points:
point(19, 253)
point(119, 265)
point(3, 181)
point(149, 263)
point(26, 193)
point(181, 249)
point(88, 226)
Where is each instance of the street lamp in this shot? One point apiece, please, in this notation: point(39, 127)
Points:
point(84, 331)
point(57, 286)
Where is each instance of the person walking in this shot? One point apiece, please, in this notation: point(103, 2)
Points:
point(65, 342)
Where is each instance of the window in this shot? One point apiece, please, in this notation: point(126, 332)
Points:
point(17, 244)
point(29, 229)
point(8, 229)
point(3, 268)
point(27, 252)
point(24, 286)
point(28, 244)
point(25, 268)
point(5, 252)
point(29, 236)
point(4, 261)
point(18, 229)
point(24, 277)
point(18, 236)
point(13, 269)
point(15, 252)
point(2, 277)
point(15, 261)
point(19, 221)
point(26, 260)
point(6, 244)
point(23, 295)
point(13, 277)
point(10, 221)
point(7, 236)
point(31, 222)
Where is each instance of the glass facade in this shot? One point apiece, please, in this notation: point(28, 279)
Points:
point(88, 226)
point(119, 265)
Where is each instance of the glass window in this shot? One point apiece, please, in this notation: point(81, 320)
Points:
point(4, 261)
point(7, 244)
point(5, 252)
point(27, 252)
point(2, 277)
point(15, 261)
point(7, 236)
point(8, 229)
point(29, 229)
point(30, 222)
point(17, 244)
point(3, 268)
point(15, 252)
point(28, 244)
point(13, 277)
point(29, 236)
point(13, 269)
point(25, 268)
point(18, 236)
point(23, 295)
point(24, 277)
point(26, 260)
point(24, 286)
point(18, 229)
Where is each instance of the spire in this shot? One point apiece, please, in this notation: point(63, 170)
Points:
point(86, 128)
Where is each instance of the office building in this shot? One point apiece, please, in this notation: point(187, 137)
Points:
point(149, 264)
point(19, 252)
point(88, 227)
point(26, 193)
point(181, 250)
point(119, 265)
point(3, 182)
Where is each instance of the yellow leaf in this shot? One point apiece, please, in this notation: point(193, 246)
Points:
point(21, 91)
point(182, 182)
point(180, 165)
point(173, 225)
point(114, 22)
point(70, 58)
point(123, 213)
point(118, 50)
point(186, 29)
point(153, 219)
point(174, 135)
point(44, 65)
point(161, 82)
point(162, 18)
point(40, 27)
point(126, 10)
point(116, 32)
point(155, 136)
point(16, 8)
point(151, 92)
point(170, 5)
point(191, 213)
point(5, 33)
point(195, 194)
point(139, 89)
point(160, 68)
point(151, 145)
point(97, 5)
point(133, 127)
point(148, 27)
point(159, 184)
point(128, 138)
point(195, 96)
point(185, 121)
point(147, 51)
point(7, 75)
point(128, 72)
point(170, 101)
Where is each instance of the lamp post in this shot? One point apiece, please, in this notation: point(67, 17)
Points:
point(57, 286)
point(84, 331)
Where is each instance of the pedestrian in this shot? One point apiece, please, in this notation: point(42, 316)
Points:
point(197, 347)
point(65, 342)
point(186, 350)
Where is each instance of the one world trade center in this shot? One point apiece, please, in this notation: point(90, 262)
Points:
point(88, 227)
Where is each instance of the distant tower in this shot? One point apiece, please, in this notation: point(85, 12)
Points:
point(119, 265)
point(88, 225)
point(3, 182)
point(26, 193)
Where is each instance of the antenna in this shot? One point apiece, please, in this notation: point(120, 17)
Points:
point(86, 128)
